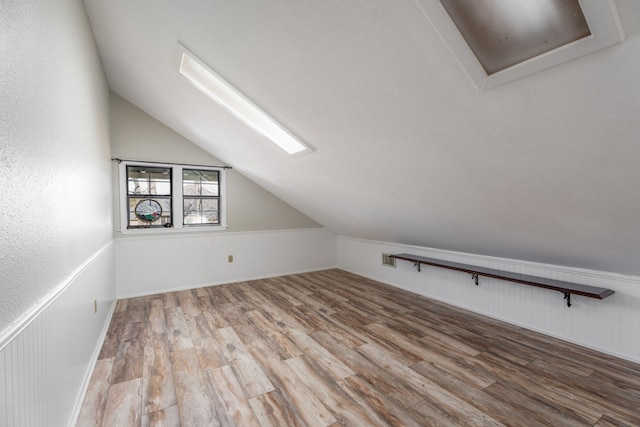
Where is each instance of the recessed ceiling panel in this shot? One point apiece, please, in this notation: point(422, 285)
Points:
point(498, 41)
point(503, 33)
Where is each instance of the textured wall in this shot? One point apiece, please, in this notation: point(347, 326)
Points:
point(55, 205)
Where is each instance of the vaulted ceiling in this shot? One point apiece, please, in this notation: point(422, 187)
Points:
point(407, 149)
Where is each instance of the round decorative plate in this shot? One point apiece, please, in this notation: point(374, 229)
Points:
point(148, 210)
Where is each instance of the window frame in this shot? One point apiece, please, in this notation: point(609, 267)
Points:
point(158, 197)
point(200, 197)
point(177, 199)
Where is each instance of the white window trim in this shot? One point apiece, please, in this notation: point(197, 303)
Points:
point(176, 200)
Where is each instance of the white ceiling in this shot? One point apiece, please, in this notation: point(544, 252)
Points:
point(545, 168)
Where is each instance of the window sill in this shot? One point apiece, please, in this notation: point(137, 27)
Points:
point(172, 230)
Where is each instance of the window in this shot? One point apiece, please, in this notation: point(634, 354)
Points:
point(148, 197)
point(171, 197)
point(201, 196)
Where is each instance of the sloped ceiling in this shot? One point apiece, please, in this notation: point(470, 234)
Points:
point(407, 149)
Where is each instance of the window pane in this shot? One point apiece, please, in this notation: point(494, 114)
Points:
point(190, 188)
point(161, 187)
point(209, 189)
point(138, 186)
point(200, 182)
point(201, 211)
point(146, 212)
point(149, 180)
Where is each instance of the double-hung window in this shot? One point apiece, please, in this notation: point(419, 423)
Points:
point(200, 196)
point(148, 197)
point(171, 197)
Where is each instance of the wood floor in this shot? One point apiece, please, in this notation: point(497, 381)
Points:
point(330, 349)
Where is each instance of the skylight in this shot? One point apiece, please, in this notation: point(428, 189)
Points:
point(237, 104)
point(505, 33)
point(501, 40)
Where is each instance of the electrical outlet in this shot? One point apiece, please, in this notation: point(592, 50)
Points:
point(230, 258)
point(95, 305)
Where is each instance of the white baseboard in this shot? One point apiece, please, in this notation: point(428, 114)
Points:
point(205, 285)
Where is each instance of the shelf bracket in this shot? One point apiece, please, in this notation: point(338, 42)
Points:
point(567, 296)
point(474, 277)
point(417, 266)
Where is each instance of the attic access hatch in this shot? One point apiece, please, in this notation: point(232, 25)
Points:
point(498, 41)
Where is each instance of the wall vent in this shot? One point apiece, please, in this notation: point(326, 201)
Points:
point(388, 261)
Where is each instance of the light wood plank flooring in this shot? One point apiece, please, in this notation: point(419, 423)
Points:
point(329, 349)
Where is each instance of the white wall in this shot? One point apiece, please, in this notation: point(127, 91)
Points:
point(608, 325)
point(55, 174)
point(149, 265)
point(266, 236)
point(46, 364)
point(55, 208)
point(137, 136)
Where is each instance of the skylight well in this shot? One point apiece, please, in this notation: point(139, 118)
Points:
point(501, 40)
point(237, 104)
point(505, 33)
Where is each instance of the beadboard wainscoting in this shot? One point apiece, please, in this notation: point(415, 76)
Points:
point(605, 325)
point(155, 264)
point(46, 358)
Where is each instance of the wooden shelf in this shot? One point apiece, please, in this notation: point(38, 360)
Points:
point(566, 288)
